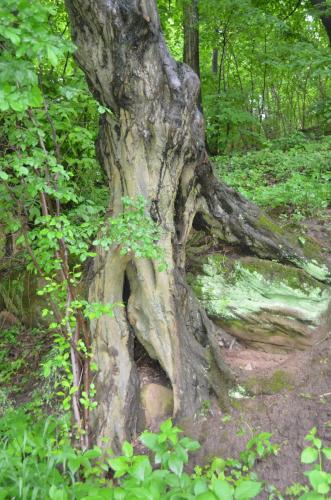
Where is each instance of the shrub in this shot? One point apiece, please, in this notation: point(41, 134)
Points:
point(286, 176)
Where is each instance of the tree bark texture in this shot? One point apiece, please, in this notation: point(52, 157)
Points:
point(153, 145)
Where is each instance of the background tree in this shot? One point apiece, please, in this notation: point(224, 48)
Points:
point(191, 54)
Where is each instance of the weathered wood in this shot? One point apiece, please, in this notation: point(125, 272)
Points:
point(153, 145)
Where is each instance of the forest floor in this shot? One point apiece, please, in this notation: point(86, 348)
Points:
point(288, 395)
point(291, 395)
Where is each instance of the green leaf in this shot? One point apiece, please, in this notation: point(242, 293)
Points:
point(200, 486)
point(309, 455)
point(10, 34)
point(222, 489)
point(319, 481)
point(327, 453)
point(119, 465)
point(175, 464)
point(141, 468)
point(247, 489)
point(208, 495)
point(166, 425)
point(189, 444)
point(57, 493)
point(17, 103)
point(52, 57)
point(312, 495)
point(35, 97)
point(127, 449)
point(74, 464)
point(3, 176)
point(150, 440)
point(94, 453)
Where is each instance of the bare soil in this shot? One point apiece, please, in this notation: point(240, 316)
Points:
point(288, 395)
point(303, 402)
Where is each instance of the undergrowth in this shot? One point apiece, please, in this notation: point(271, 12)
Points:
point(37, 461)
point(289, 176)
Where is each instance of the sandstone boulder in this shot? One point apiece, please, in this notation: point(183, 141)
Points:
point(157, 403)
point(269, 306)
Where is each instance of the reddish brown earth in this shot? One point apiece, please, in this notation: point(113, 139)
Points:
point(303, 402)
point(289, 394)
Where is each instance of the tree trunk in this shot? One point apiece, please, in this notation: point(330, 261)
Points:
point(191, 39)
point(153, 145)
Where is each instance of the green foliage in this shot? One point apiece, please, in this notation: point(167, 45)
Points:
point(133, 231)
point(15, 356)
point(319, 478)
point(26, 41)
point(289, 175)
point(49, 197)
point(269, 75)
point(37, 461)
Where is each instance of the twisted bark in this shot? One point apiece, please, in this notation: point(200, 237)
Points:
point(153, 145)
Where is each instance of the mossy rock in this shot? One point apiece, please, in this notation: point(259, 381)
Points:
point(274, 384)
point(270, 306)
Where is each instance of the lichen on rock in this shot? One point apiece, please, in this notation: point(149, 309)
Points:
point(269, 305)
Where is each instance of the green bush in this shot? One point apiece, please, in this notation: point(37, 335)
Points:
point(37, 461)
point(290, 175)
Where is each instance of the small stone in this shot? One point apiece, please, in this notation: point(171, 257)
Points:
point(157, 402)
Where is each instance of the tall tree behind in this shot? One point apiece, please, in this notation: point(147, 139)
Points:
point(191, 54)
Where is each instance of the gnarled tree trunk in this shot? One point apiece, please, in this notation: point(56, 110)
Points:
point(153, 145)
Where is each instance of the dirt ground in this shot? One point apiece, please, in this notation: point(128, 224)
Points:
point(288, 395)
point(302, 400)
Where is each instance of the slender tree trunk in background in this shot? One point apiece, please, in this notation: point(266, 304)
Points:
point(221, 74)
point(153, 145)
point(191, 54)
point(324, 13)
point(214, 62)
point(264, 85)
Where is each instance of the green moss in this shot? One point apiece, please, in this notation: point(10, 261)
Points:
point(274, 271)
point(261, 301)
point(311, 248)
point(278, 382)
point(230, 290)
point(267, 223)
point(318, 271)
point(236, 404)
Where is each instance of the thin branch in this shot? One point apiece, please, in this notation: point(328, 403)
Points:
point(292, 11)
